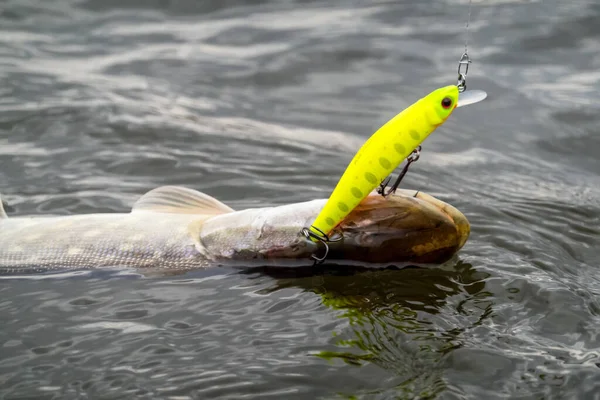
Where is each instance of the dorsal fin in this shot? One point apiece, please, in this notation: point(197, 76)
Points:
point(2, 212)
point(179, 200)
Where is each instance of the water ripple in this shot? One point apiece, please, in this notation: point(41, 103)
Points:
point(261, 103)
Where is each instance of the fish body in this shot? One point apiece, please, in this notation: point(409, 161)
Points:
point(157, 239)
point(383, 152)
point(174, 228)
point(97, 240)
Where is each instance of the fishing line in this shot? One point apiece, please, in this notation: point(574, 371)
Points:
point(467, 28)
point(464, 59)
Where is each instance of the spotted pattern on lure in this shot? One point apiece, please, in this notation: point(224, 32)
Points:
point(383, 152)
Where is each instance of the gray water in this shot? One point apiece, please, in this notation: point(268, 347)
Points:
point(264, 103)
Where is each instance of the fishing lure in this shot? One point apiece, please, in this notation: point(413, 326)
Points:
point(385, 150)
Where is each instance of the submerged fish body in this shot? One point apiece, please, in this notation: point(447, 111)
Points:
point(97, 240)
point(177, 228)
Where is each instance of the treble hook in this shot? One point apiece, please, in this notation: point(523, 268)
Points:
point(412, 157)
point(321, 237)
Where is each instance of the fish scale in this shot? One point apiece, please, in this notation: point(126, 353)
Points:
point(132, 240)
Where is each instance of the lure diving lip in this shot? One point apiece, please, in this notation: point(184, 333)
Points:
point(470, 97)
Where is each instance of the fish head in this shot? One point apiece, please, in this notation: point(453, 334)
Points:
point(407, 226)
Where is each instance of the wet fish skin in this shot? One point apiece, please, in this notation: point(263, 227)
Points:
point(272, 233)
point(98, 240)
point(156, 233)
point(149, 239)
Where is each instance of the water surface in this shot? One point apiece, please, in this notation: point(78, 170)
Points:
point(264, 103)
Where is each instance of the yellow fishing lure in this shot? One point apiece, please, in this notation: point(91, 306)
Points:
point(383, 152)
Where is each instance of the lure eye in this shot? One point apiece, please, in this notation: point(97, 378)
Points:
point(446, 102)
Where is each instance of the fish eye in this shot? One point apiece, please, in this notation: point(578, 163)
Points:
point(446, 102)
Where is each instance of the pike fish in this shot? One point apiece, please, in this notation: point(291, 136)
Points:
point(177, 228)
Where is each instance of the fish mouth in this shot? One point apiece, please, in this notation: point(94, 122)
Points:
point(406, 227)
point(461, 222)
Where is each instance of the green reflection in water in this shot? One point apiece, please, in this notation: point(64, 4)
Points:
point(404, 321)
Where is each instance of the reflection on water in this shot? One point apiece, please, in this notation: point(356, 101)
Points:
point(398, 319)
